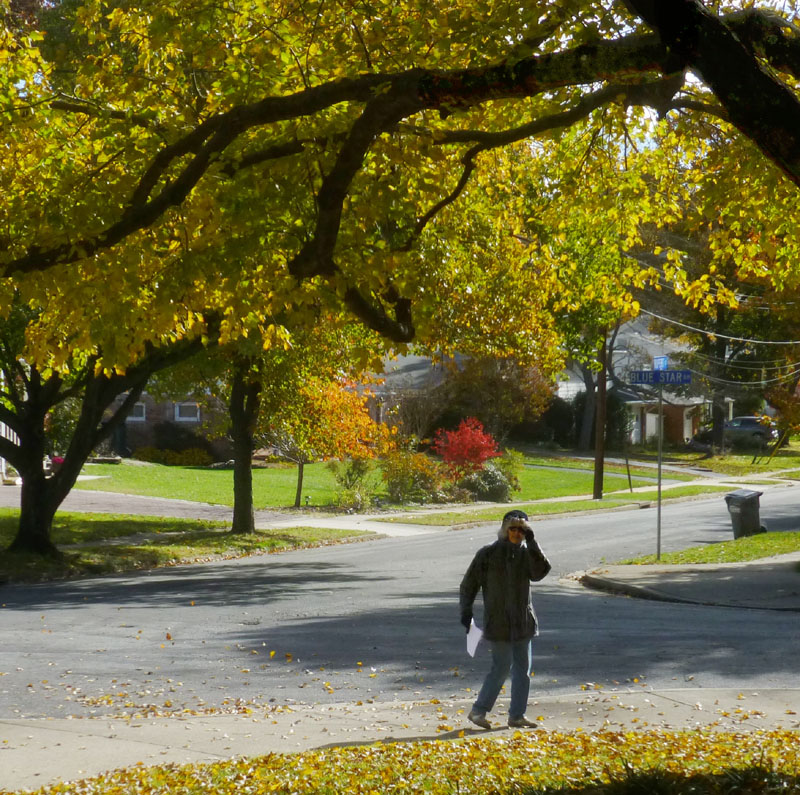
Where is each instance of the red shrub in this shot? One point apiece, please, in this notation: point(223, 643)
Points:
point(466, 449)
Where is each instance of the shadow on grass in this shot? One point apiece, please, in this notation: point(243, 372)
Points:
point(733, 781)
point(108, 544)
point(80, 528)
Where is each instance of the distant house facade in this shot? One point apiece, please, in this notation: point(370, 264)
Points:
point(636, 349)
point(682, 418)
point(6, 433)
point(173, 425)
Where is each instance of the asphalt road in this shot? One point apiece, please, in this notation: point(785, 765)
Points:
point(377, 620)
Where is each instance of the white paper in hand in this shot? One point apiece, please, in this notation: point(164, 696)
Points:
point(473, 637)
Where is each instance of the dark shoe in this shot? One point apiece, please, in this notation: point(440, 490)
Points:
point(479, 719)
point(521, 723)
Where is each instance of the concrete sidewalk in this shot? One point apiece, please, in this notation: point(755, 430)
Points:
point(34, 753)
point(764, 584)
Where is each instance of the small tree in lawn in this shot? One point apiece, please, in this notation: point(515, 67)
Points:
point(327, 419)
point(466, 449)
point(786, 401)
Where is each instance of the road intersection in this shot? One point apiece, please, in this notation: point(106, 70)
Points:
point(361, 642)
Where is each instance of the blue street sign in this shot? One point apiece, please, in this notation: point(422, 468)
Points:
point(661, 362)
point(661, 377)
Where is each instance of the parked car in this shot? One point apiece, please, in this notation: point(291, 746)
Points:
point(750, 430)
point(741, 432)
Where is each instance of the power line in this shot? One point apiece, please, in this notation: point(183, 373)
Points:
point(742, 297)
point(752, 364)
point(760, 382)
point(715, 334)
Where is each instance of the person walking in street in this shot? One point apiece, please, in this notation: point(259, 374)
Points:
point(503, 571)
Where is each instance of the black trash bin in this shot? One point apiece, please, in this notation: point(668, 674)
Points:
point(743, 508)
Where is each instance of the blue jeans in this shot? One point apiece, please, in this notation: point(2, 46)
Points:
point(515, 656)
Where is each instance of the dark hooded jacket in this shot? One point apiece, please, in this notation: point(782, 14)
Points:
point(504, 571)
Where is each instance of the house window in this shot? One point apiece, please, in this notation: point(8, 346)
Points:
point(187, 412)
point(138, 413)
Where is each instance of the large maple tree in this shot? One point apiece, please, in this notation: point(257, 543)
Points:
point(321, 142)
point(173, 162)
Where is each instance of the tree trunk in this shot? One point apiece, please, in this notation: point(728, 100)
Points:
point(38, 499)
point(38, 506)
point(585, 432)
point(299, 494)
point(244, 407)
point(600, 426)
point(41, 496)
point(32, 395)
point(718, 417)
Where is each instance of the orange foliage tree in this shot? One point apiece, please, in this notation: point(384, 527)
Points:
point(326, 419)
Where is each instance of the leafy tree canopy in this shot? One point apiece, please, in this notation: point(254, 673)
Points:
point(170, 160)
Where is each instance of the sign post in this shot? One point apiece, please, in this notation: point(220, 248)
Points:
point(660, 458)
point(660, 378)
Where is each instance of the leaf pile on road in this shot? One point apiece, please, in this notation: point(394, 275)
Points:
point(534, 763)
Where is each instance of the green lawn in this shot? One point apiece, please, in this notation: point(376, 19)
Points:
point(537, 484)
point(145, 542)
point(761, 545)
point(272, 486)
point(275, 487)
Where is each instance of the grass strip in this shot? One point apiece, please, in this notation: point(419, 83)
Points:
point(564, 462)
point(700, 762)
point(616, 500)
point(479, 515)
point(82, 528)
point(738, 463)
point(696, 490)
point(739, 550)
point(110, 544)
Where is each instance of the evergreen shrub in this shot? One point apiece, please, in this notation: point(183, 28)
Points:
point(488, 484)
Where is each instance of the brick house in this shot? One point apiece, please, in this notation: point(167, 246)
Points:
point(171, 424)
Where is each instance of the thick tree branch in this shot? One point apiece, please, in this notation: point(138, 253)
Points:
point(762, 107)
point(372, 313)
point(701, 107)
point(650, 93)
point(769, 36)
point(412, 91)
point(87, 108)
point(315, 258)
point(274, 152)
